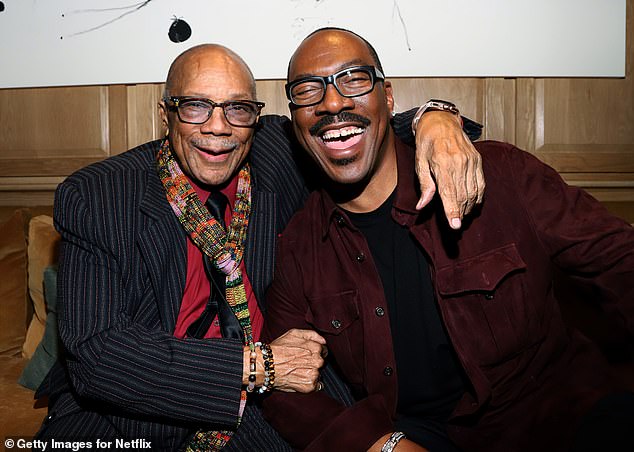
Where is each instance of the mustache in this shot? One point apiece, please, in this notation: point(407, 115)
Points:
point(344, 116)
point(215, 143)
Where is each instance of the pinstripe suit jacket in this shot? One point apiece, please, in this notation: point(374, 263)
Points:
point(121, 280)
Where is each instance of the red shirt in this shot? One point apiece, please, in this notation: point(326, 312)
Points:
point(197, 287)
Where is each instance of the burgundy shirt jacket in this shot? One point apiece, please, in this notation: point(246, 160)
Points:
point(531, 377)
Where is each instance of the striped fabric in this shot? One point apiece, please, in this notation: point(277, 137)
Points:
point(121, 279)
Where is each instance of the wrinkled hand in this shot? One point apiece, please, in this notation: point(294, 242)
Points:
point(445, 153)
point(298, 355)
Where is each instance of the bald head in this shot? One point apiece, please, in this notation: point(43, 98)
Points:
point(333, 33)
point(209, 56)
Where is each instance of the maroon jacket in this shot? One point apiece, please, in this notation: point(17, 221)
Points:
point(531, 377)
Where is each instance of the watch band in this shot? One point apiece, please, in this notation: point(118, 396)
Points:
point(434, 105)
point(392, 441)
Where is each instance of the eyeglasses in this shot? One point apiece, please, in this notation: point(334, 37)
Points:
point(350, 82)
point(197, 110)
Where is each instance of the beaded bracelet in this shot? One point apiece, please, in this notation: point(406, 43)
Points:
point(252, 366)
point(269, 368)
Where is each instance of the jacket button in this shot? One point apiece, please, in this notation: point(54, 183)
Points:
point(387, 371)
point(339, 219)
point(488, 295)
point(380, 312)
point(360, 257)
point(336, 324)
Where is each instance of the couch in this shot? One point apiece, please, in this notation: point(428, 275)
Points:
point(28, 250)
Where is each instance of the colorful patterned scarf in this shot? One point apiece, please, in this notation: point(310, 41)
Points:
point(224, 249)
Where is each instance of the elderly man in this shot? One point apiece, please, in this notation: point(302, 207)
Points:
point(449, 341)
point(159, 311)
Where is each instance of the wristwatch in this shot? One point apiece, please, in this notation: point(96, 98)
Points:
point(434, 105)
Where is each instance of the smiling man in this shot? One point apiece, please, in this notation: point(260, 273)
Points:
point(214, 149)
point(346, 142)
point(449, 341)
point(166, 252)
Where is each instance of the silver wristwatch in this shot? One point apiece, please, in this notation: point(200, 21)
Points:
point(433, 104)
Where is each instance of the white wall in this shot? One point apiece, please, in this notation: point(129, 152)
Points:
point(46, 42)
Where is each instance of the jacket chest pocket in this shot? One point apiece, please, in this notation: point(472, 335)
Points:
point(486, 296)
point(336, 318)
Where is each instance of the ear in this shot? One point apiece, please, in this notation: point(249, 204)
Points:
point(162, 110)
point(389, 97)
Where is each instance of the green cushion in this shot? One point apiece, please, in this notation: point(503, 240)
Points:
point(47, 351)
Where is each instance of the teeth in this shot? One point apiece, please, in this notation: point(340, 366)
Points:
point(341, 133)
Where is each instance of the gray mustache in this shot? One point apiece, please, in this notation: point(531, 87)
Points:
point(226, 145)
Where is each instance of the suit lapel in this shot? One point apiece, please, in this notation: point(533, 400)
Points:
point(260, 249)
point(165, 256)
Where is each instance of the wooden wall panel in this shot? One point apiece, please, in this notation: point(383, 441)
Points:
point(44, 127)
point(143, 121)
point(499, 109)
point(467, 93)
point(50, 132)
point(43, 119)
point(271, 92)
point(579, 126)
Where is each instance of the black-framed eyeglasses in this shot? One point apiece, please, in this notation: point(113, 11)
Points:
point(197, 110)
point(350, 82)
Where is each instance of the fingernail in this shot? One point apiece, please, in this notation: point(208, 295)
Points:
point(456, 223)
point(419, 204)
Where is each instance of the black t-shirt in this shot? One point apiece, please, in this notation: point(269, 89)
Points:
point(430, 378)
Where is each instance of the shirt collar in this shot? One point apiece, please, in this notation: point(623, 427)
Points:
point(407, 191)
point(229, 190)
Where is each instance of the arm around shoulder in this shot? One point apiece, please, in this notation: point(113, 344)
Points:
point(446, 160)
